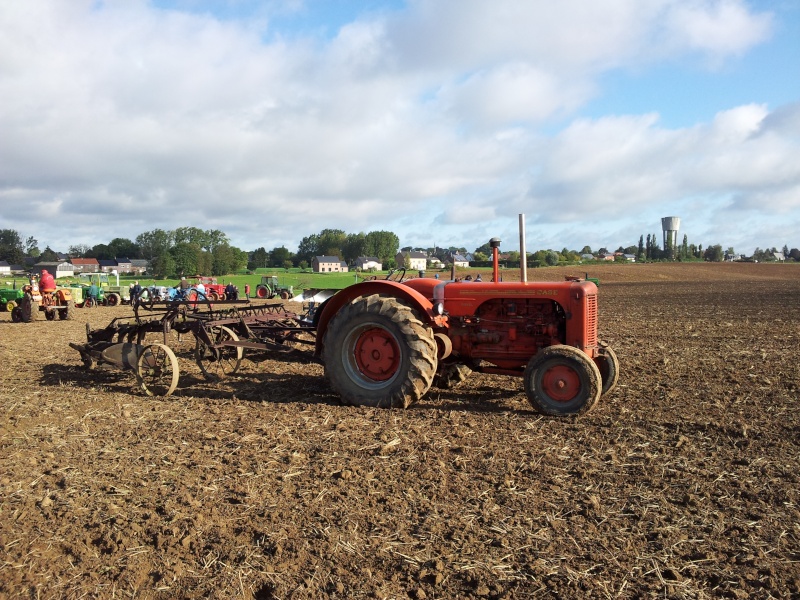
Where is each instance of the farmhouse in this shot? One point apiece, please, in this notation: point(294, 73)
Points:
point(123, 265)
point(139, 266)
point(366, 263)
point(107, 265)
point(5, 268)
point(418, 260)
point(328, 264)
point(85, 265)
point(459, 260)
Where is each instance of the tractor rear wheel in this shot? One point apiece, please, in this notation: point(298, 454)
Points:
point(262, 292)
point(608, 365)
point(113, 299)
point(562, 381)
point(30, 309)
point(157, 370)
point(218, 363)
point(377, 352)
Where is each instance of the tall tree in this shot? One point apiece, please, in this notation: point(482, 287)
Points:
point(187, 259)
point(354, 246)
point(308, 248)
point(48, 255)
point(11, 247)
point(225, 259)
point(78, 250)
point(191, 235)
point(279, 256)
point(123, 247)
point(259, 259)
point(214, 238)
point(382, 244)
point(331, 242)
point(155, 243)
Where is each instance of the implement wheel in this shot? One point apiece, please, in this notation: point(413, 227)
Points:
point(562, 381)
point(157, 370)
point(378, 353)
point(218, 363)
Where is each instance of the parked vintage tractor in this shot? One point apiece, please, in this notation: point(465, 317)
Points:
point(9, 298)
point(105, 292)
point(271, 288)
point(214, 290)
point(56, 304)
point(384, 342)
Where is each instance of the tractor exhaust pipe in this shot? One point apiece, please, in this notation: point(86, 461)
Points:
point(495, 244)
point(523, 257)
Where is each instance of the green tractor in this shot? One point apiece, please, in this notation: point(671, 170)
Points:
point(98, 290)
point(9, 298)
point(270, 288)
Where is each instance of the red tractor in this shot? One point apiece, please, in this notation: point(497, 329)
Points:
point(383, 343)
point(53, 303)
point(214, 291)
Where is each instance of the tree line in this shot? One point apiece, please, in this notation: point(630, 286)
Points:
point(190, 250)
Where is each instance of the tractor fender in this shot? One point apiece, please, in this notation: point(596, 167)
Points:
point(383, 287)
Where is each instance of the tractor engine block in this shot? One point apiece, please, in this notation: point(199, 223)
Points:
point(505, 331)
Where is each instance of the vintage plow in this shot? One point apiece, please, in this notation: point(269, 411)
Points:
point(221, 332)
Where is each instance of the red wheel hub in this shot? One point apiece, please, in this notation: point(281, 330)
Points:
point(377, 354)
point(561, 383)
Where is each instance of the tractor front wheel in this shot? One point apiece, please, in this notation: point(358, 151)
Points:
point(66, 312)
point(377, 352)
point(16, 315)
point(562, 381)
point(608, 365)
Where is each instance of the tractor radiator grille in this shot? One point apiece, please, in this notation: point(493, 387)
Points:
point(591, 320)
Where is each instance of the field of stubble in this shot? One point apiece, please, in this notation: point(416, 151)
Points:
point(682, 483)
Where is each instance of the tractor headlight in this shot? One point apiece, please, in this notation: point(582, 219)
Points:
point(438, 308)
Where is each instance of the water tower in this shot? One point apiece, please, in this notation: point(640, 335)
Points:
point(670, 226)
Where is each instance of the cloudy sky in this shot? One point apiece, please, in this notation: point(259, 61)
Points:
point(439, 120)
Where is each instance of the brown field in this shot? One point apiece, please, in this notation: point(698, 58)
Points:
point(684, 482)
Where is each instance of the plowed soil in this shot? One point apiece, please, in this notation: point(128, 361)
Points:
point(684, 482)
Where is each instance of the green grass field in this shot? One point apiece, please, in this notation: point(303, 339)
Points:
point(296, 278)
